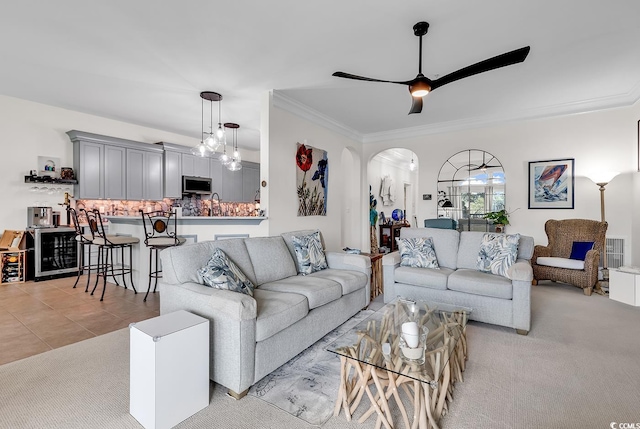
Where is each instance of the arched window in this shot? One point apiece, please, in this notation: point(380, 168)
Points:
point(470, 184)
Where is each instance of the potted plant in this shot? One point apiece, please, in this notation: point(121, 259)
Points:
point(500, 219)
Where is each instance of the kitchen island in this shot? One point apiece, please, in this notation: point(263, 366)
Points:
point(192, 228)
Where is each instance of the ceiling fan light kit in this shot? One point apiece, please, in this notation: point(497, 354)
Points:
point(422, 85)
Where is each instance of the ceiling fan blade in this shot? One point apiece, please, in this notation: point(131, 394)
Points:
point(356, 77)
point(506, 59)
point(416, 105)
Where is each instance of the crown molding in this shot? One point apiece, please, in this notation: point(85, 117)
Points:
point(572, 108)
point(293, 106)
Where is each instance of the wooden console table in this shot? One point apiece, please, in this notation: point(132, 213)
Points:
point(377, 287)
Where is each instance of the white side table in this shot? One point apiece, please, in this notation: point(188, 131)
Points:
point(624, 287)
point(169, 369)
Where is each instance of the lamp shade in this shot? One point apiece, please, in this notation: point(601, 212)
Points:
point(602, 176)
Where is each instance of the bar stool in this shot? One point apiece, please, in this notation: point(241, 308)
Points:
point(106, 245)
point(85, 241)
point(160, 233)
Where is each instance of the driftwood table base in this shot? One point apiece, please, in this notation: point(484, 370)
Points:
point(402, 384)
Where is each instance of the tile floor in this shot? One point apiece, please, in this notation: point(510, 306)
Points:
point(40, 316)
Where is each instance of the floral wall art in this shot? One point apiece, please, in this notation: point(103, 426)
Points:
point(312, 178)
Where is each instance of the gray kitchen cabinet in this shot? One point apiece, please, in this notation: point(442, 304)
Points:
point(153, 176)
point(250, 181)
point(172, 174)
point(144, 175)
point(231, 185)
point(135, 174)
point(88, 164)
point(195, 165)
point(113, 168)
point(215, 172)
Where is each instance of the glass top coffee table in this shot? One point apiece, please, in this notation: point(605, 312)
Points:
point(407, 347)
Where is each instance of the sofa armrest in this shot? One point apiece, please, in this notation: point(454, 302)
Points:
point(237, 306)
point(233, 327)
point(539, 251)
point(349, 261)
point(392, 258)
point(520, 271)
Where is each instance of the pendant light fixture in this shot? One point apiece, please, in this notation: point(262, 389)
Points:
point(211, 140)
point(412, 165)
point(235, 163)
point(224, 158)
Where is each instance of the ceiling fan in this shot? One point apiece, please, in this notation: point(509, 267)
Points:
point(422, 85)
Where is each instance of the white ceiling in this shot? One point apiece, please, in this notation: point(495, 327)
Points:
point(146, 61)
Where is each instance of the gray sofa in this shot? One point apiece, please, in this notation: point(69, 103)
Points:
point(493, 299)
point(252, 336)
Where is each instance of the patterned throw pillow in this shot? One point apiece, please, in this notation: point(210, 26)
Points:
point(221, 273)
point(497, 253)
point(309, 253)
point(417, 253)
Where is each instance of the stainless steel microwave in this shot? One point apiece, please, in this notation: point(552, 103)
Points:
point(196, 185)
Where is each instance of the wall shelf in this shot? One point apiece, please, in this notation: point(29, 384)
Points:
point(42, 179)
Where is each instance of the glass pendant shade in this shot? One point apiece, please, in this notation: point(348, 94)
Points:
point(201, 150)
point(412, 165)
point(235, 165)
point(224, 158)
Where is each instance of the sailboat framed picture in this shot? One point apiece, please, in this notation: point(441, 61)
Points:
point(551, 184)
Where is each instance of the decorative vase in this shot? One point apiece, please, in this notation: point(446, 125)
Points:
point(499, 227)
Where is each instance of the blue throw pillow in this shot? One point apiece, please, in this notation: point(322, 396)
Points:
point(221, 273)
point(579, 249)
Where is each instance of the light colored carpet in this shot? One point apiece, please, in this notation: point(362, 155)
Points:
point(578, 368)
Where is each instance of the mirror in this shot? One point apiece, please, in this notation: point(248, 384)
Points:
point(470, 184)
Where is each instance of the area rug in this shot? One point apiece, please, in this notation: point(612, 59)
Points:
point(307, 386)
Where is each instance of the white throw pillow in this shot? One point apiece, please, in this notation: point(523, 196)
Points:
point(417, 252)
point(309, 253)
point(497, 253)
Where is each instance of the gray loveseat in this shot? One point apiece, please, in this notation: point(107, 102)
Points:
point(494, 299)
point(252, 336)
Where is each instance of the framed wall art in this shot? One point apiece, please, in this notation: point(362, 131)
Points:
point(551, 184)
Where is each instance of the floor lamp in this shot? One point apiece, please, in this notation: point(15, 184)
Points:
point(601, 179)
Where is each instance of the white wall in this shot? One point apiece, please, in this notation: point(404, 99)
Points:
point(30, 130)
point(284, 131)
point(604, 140)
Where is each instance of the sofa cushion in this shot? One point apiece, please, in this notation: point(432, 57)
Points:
point(445, 243)
point(479, 283)
point(309, 253)
point(553, 261)
point(470, 246)
point(318, 291)
point(221, 273)
point(434, 279)
point(277, 311)
point(497, 253)
point(270, 258)
point(348, 279)
point(186, 260)
point(417, 252)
